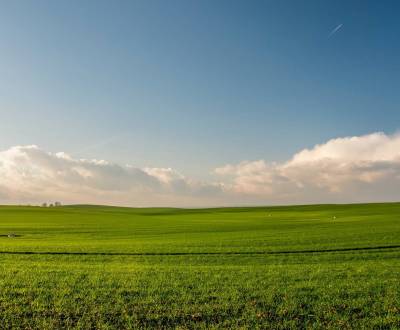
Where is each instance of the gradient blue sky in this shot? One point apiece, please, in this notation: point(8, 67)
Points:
point(194, 85)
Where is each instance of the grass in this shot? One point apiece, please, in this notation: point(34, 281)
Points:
point(93, 267)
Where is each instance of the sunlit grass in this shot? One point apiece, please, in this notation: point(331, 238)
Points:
point(281, 267)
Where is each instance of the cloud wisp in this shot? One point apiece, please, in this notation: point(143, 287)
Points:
point(336, 29)
point(350, 169)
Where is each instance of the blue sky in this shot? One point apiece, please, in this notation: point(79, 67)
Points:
point(194, 85)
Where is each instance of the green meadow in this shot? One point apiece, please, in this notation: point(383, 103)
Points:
point(92, 267)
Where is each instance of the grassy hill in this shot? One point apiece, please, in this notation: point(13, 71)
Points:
point(322, 266)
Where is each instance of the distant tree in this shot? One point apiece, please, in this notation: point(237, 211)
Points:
point(57, 204)
point(51, 205)
point(44, 205)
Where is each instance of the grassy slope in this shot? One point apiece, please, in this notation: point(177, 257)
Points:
point(252, 288)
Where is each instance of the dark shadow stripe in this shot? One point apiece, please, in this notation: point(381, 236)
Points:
point(199, 253)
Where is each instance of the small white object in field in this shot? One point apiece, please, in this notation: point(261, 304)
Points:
point(334, 217)
point(11, 235)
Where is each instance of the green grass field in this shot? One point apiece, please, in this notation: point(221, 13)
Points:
point(95, 267)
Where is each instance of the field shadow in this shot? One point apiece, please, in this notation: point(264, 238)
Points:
point(385, 247)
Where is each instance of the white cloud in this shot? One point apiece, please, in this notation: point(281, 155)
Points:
point(29, 174)
point(351, 169)
point(166, 175)
point(364, 168)
point(372, 147)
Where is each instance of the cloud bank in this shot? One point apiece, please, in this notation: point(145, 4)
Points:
point(29, 174)
point(351, 169)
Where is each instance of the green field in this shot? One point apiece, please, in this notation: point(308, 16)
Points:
point(95, 267)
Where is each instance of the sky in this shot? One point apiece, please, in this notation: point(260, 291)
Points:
point(199, 103)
